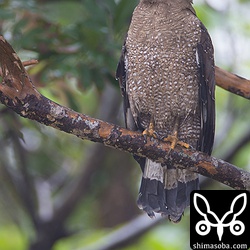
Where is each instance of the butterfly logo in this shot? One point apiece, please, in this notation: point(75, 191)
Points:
point(210, 219)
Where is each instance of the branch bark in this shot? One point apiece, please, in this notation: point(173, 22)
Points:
point(19, 94)
point(233, 83)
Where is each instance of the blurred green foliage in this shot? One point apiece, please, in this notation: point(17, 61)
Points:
point(78, 45)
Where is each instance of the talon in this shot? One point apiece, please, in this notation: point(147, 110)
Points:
point(183, 144)
point(174, 141)
point(150, 131)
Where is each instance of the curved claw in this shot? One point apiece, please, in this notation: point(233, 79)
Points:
point(150, 131)
point(173, 139)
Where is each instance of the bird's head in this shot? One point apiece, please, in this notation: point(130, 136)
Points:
point(167, 1)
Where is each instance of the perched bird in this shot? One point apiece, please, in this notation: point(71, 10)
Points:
point(166, 75)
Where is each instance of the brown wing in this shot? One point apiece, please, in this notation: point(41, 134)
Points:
point(205, 58)
point(121, 74)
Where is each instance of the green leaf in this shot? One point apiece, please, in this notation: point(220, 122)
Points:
point(63, 12)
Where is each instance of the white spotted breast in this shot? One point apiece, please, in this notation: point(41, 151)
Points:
point(162, 70)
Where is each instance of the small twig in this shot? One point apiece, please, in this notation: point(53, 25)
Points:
point(30, 62)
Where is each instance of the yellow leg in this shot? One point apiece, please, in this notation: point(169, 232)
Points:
point(174, 138)
point(150, 130)
point(174, 141)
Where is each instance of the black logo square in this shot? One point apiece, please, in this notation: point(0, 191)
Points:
point(220, 219)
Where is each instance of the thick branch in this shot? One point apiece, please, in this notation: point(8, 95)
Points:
point(18, 93)
point(233, 83)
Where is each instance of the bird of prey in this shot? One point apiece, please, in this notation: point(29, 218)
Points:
point(166, 75)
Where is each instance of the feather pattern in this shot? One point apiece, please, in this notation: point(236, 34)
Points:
point(166, 75)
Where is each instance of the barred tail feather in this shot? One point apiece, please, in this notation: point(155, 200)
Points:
point(152, 195)
point(166, 190)
point(179, 183)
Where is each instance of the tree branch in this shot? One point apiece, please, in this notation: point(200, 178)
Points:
point(19, 94)
point(233, 83)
